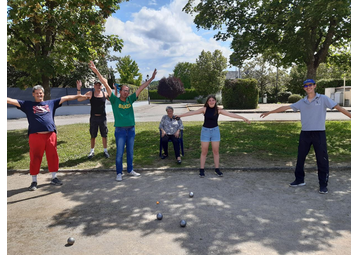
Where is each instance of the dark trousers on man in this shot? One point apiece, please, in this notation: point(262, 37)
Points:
point(165, 140)
point(318, 140)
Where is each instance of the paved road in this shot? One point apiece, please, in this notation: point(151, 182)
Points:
point(154, 112)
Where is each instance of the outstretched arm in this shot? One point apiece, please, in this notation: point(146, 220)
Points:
point(84, 97)
point(342, 110)
point(13, 102)
point(70, 97)
point(100, 77)
point(233, 115)
point(201, 110)
point(145, 84)
point(280, 109)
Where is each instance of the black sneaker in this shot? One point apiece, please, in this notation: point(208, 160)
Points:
point(106, 154)
point(220, 174)
point(33, 186)
point(202, 173)
point(56, 181)
point(323, 190)
point(297, 184)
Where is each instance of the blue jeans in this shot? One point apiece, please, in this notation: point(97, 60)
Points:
point(124, 136)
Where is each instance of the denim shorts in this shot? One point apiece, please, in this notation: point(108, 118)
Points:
point(210, 134)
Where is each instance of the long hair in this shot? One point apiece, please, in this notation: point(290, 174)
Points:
point(215, 106)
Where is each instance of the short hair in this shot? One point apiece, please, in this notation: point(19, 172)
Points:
point(169, 107)
point(38, 87)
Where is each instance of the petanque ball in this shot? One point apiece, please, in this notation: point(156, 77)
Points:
point(70, 240)
point(182, 223)
point(191, 194)
point(159, 216)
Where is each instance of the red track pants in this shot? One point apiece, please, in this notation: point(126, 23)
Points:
point(40, 143)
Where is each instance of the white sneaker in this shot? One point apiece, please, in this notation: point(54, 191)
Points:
point(119, 177)
point(134, 173)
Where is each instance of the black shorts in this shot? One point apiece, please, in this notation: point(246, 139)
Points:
point(98, 122)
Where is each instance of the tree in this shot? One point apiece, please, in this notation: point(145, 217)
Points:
point(182, 70)
point(46, 38)
point(170, 87)
point(300, 31)
point(128, 70)
point(208, 75)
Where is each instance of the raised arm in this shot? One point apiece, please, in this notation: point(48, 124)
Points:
point(84, 97)
point(145, 84)
point(342, 110)
point(13, 102)
point(233, 115)
point(280, 109)
point(100, 77)
point(71, 97)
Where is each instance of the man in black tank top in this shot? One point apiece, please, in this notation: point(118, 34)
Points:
point(98, 119)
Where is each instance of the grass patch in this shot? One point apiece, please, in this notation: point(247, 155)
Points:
point(259, 142)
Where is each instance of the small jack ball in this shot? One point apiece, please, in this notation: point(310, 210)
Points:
point(159, 216)
point(191, 194)
point(70, 240)
point(182, 223)
point(157, 202)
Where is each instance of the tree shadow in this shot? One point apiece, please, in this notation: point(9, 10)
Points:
point(224, 214)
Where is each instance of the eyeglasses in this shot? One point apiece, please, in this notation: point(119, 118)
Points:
point(308, 85)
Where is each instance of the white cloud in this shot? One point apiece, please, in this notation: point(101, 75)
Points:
point(161, 38)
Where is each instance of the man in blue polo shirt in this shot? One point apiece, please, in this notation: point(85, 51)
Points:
point(313, 117)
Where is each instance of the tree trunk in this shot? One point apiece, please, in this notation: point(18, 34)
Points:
point(311, 71)
point(46, 85)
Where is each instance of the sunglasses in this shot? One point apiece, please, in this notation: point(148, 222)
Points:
point(308, 85)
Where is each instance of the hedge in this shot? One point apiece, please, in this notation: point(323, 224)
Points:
point(240, 94)
point(189, 94)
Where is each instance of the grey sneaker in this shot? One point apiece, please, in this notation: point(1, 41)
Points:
point(134, 173)
point(90, 155)
point(56, 181)
point(119, 178)
point(33, 186)
point(297, 184)
point(106, 154)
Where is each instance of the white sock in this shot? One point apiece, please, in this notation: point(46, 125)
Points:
point(92, 150)
point(54, 175)
point(105, 149)
point(34, 178)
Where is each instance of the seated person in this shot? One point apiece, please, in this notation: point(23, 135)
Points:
point(171, 130)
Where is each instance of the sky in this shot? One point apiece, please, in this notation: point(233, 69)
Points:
point(158, 34)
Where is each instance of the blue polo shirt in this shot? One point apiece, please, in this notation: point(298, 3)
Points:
point(313, 114)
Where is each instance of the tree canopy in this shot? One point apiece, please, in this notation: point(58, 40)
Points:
point(129, 71)
point(208, 75)
point(182, 70)
point(298, 31)
point(46, 38)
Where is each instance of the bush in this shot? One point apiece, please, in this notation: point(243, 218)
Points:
point(330, 83)
point(294, 98)
point(189, 94)
point(240, 94)
point(283, 96)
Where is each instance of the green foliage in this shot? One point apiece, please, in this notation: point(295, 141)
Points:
point(182, 70)
point(208, 75)
point(294, 98)
point(189, 94)
point(240, 94)
point(263, 141)
point(128, 70)
point(46, 38)
point(299, 31)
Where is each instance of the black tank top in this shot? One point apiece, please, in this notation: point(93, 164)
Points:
point(210, 120)
point(98, 104)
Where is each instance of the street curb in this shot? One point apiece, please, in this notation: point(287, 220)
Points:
point(279, 168)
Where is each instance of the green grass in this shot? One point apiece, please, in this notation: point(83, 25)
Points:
point(257, 142)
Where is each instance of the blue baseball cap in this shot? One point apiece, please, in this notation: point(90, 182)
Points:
point(309, 81)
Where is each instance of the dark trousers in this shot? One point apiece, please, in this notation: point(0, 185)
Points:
point(318, 140)
point(175, 141)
